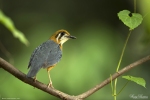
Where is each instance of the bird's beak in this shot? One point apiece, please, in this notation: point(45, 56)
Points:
point(71, 37)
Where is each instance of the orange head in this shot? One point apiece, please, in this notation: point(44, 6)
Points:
point(61, 36)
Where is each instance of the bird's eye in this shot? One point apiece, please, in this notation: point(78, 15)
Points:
point(62, 34)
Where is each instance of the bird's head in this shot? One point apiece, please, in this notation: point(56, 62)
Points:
point(61, 36)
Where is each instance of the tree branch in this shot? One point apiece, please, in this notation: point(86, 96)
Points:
point(114, 76)
point(21, 76)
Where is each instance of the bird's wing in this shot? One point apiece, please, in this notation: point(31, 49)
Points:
point(43, 57)
point(36, 60)
point(32, 56)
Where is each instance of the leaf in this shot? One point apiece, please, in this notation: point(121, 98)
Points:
point(137, 80)
point(132, 21)
point(7, 22)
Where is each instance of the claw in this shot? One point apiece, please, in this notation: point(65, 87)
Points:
point(34, 79)
point(50, 85)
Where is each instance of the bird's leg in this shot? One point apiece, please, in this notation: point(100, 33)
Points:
point(50, 81)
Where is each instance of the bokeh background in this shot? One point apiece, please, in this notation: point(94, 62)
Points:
point(86, 61)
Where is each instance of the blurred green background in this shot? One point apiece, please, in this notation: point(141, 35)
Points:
point(86, 61)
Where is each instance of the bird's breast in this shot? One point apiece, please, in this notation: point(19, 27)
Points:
point(52, 53)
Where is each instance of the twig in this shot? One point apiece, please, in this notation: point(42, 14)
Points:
point(21, 76)
point(7, 53)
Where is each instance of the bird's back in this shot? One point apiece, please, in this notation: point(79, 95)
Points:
point(45, 55)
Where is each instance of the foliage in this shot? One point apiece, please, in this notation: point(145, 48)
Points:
point(7, 22)
point(132, 21)
point(137, 80)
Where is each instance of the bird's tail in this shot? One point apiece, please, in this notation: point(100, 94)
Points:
point(32, 72)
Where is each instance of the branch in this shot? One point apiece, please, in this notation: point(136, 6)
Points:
point(21, 76)
point(114, 76)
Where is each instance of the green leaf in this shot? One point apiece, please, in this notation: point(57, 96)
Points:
point(8, 23)
point(137, 80)
point(132, 21)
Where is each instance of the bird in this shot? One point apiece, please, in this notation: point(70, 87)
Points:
point(48, 54)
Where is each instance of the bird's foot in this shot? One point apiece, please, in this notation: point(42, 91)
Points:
point(50, 85)
point(34, 79)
